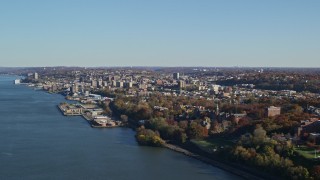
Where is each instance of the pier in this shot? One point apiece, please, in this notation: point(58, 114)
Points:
point(91, 114)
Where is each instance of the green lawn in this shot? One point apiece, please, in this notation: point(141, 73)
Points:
point(306, 152)
point(212, 145)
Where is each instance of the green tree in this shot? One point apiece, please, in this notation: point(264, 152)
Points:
point(124, 118)
point(179, 136)
point(259, 135)
point(298, 172)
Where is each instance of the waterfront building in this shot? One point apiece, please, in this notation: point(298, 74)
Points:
point(71, 109)
point(17, 81)
point(53, 88)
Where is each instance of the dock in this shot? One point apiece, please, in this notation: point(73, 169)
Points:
point(89, 114)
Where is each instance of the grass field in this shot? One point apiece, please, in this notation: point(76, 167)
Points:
point(212, 145)
point(307, 152)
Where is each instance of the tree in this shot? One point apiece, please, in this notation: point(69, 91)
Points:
point(156, 123)
point(259, 135)
point(108, 111)
point(148, 137)
point(244, 154)
point(196, 131)
point(243, 121)
point(216, 127)
point(183, 124)
point(124, 118)
point(298, 172)
point(316, 172)
point(179, 136)
point(167, 131)
point(143, 112)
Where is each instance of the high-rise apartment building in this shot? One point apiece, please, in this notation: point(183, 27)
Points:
point(182, 84)
point(176, 76)
point(36, 76)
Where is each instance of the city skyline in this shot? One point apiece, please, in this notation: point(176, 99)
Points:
point(166, 34)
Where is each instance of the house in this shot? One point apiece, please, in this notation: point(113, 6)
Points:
point(313, 127)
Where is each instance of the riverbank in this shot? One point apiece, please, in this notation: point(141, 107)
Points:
point(41, 143)
point(224, 166)
point(79, 111)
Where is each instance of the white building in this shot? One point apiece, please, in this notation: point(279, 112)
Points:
point(17, 81)
point(36, 76)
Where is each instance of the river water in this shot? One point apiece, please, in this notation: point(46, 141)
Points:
point(38, 142)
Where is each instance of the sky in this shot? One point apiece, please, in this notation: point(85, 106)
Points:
point(228, 33)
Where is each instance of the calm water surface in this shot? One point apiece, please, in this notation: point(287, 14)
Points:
point(38, 142)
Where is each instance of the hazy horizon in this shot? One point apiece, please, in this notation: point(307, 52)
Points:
point(181, 33)
point(160, 67)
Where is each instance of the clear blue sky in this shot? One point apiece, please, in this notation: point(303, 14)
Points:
point(160, 33)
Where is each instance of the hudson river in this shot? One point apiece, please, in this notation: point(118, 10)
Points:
point(38, 142)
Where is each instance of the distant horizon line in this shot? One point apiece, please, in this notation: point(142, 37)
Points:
point(291, 67)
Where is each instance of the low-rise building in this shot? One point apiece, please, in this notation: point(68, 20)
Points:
point(273, 111)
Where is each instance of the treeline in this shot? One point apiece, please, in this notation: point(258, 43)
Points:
point(278, 81)
point(148, 137)
point(259, 151)
point(174, 132)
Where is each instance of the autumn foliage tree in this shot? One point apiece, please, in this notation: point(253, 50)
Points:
point(196, 131)
point(316, 172)
point(148, 137)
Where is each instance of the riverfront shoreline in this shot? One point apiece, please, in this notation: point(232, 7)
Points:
point(215, 163)
point(218, 164)
point(38, 142)
point(178, 149)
